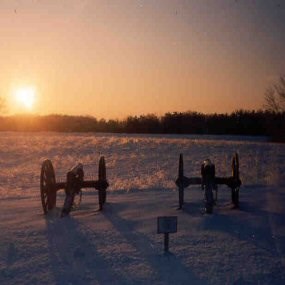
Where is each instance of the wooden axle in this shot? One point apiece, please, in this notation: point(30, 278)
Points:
point(85, 184)
point(229, 181)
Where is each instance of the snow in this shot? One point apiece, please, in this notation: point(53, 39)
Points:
point(120, 245)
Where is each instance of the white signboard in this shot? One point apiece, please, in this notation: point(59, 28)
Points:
point(166, 224)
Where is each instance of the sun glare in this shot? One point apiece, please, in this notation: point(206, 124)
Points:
point(25, 97)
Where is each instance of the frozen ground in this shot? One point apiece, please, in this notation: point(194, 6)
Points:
point(120, 245)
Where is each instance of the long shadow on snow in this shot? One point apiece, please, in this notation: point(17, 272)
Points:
point(168, 268)
point(255, 227)
point(193, 208)
point(73, 256)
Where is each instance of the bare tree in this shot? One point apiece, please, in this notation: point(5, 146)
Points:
point(275, 96)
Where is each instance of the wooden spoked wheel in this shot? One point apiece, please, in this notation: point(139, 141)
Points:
point(181, 184)
point(235, 166)
point(102, 169)
point(180, 168)
point(102, 176)
point(47, 186)
point(235, 173)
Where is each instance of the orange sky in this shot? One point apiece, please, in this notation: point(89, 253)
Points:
point(116, 58)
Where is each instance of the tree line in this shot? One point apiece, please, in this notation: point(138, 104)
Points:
point(241, 122)
point(268, 122)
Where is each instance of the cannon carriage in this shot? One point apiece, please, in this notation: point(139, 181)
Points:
point(72, 186)
point(209, 183)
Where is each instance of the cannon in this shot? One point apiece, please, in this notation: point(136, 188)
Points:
point(72, 186)
point(209, 183)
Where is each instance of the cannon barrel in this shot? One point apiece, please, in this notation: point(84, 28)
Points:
point(78, 168)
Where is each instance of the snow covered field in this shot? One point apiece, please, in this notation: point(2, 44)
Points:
point(120, 245)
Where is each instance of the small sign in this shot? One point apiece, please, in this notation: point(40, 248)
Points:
point(166, 224)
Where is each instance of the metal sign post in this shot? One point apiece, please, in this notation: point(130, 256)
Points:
point(166, 225)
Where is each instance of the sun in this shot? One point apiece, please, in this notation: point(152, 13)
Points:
point(25, 97)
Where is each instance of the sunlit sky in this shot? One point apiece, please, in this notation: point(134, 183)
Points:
point(116, 58)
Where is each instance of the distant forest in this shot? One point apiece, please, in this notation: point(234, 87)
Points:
point(254, 123)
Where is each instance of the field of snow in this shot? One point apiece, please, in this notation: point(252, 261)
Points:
point(120, 245)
